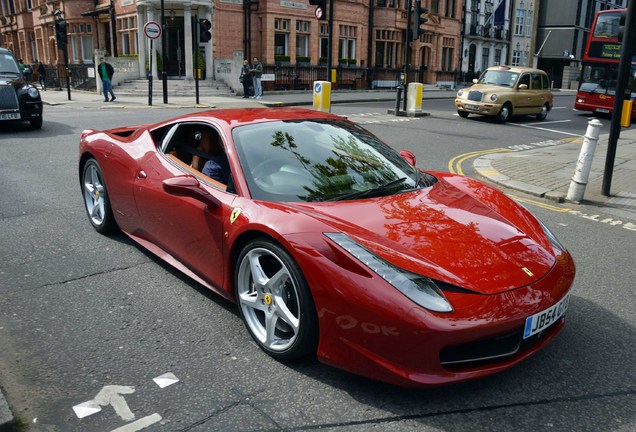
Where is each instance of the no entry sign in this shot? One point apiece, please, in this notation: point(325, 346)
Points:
point(152, 30)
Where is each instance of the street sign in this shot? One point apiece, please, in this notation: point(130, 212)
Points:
point(152, 30)
point(318, 12)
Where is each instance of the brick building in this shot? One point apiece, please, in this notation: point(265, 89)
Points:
point(367, 33)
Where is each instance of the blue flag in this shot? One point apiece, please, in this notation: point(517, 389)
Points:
point(500, 14)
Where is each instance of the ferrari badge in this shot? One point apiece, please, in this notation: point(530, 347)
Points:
point(235, 214)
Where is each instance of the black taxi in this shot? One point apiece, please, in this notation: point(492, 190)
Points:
point(19, 100)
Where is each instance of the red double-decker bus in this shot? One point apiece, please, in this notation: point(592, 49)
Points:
point(599, 73)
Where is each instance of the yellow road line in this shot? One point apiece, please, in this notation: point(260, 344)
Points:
point(540, 204)
point(455, 167)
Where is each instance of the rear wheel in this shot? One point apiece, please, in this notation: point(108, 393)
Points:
point(275, 302)
point(544, 112)
point(462, 114)
point(504, 113)
point(96, 199)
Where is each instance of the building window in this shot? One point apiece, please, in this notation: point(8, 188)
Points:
point(485, 57)
point(281, 24)
point(347, 42)
point(302, 45)
point(74, 54)
point(302, 38)
point(281, 37)
point(29, 5)
point(324, 41)
point(497, 57)
point(520, 19)
point(87, 49)
point(516, 58)
point(447, 59)
point(434, 6)
point(386, 48)
point(127, 27)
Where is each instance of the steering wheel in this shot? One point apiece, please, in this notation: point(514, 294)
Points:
point(266, 168)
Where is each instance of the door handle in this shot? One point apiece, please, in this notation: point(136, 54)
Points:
point(141, 174)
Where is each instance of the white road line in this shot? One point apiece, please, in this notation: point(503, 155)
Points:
point(140, 424)
point(545, 129)
point(559, 108)
point(548, 122)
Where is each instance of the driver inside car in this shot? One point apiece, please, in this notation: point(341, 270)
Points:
point(216, 165)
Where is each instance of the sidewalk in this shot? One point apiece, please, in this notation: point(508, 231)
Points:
point(546, 172)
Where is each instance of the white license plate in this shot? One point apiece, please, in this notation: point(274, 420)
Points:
point(10, 116)
point(471, 107)
point(544, 319)
point(602, 110)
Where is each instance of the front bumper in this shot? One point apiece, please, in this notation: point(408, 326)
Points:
point(473, 107)
point(368, 328)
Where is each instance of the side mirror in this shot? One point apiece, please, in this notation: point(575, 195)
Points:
point(190, 187)
point(408, 157)
point(475, 80)
point(523, 86)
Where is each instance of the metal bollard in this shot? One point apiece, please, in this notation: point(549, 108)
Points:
point(584, 164)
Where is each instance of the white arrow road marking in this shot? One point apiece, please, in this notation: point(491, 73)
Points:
point(139, 424)
point(166, 379)
point(86, 408)
point(111, 395)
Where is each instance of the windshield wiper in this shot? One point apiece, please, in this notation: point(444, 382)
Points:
point(376, 191)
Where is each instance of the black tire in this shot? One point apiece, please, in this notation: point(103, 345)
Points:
point(279, 314)
point(544, 112)
point(462, 114)
point(36, 123)
point(96, 200)
point(504, 113)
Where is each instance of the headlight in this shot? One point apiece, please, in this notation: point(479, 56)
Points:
point(550, 235)
point(420, 289)
point(460, 92)
point(33, 92)
point(494, 97)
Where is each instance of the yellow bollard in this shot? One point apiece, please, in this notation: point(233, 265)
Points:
point(322, 96)
point(626, 114)
point(414, 97)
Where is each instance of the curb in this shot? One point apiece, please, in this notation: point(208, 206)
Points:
point(483, 167)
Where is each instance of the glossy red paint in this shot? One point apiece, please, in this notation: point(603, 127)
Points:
point(460, 232)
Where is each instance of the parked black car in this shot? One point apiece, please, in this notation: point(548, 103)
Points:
point(19, 100)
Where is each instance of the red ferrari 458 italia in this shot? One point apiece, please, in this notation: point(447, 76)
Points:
point(333, 244)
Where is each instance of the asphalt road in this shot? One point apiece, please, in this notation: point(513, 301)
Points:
point(80, 312)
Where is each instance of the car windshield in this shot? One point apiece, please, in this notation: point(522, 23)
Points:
point(8, 64)
point(499, 77)
point(320, 160)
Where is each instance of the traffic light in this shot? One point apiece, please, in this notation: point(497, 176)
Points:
point(60, 32)
point(419, 18)
point(204, 30)
point(322, 4)
point(621, 26)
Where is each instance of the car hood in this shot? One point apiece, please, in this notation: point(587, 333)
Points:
point(459, 231)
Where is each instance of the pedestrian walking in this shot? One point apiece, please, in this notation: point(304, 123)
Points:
point(246, 78)
point(106, 71)
point(257, 71)
point(41, 74)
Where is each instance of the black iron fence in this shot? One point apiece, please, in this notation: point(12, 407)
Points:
point(347, 77)
point(81, 76)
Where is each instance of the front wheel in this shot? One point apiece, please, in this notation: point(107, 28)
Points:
point(544, 112)
point(36, 123)
point(96, 199)
point(275, 302)
point(504, 113)
point(462, 114)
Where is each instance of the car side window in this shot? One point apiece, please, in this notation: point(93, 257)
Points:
point(525, 79)
point(198, 147)
point(535, 81)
